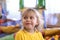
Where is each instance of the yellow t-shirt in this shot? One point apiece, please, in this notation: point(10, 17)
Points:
point(24, 35)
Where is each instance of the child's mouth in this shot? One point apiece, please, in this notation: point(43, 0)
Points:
point(28, 23)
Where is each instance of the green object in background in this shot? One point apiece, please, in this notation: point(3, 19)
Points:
point(8, 37)
point(21, 4)
point(41, 4)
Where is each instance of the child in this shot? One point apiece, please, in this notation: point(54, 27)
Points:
point(32, 24)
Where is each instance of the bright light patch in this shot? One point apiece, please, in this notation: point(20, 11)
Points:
point(30, 3)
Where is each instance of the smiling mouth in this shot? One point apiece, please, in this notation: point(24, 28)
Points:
point(28, 23)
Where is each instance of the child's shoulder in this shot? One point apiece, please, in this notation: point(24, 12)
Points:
point(20, 32)
point(39, 32)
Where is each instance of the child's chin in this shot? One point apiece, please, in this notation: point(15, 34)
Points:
point(29, 27)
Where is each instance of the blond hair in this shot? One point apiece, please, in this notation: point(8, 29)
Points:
point(39, 18)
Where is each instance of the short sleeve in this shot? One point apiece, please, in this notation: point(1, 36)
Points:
point(40, 35)
point(18, 36)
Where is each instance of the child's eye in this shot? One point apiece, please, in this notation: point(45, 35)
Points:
point(31, 17)
point(25, 17)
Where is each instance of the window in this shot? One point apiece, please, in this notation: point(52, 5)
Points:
point(52, 13)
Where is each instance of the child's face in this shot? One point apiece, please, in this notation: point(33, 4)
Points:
point(29, 20)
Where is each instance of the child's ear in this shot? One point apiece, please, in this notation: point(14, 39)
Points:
point(36, 25)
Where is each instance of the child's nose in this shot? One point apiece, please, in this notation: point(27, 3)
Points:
point(28, 19)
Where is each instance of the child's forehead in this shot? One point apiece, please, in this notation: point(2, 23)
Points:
point(29, 13)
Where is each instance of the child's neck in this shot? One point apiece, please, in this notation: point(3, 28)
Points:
point(30, 31)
